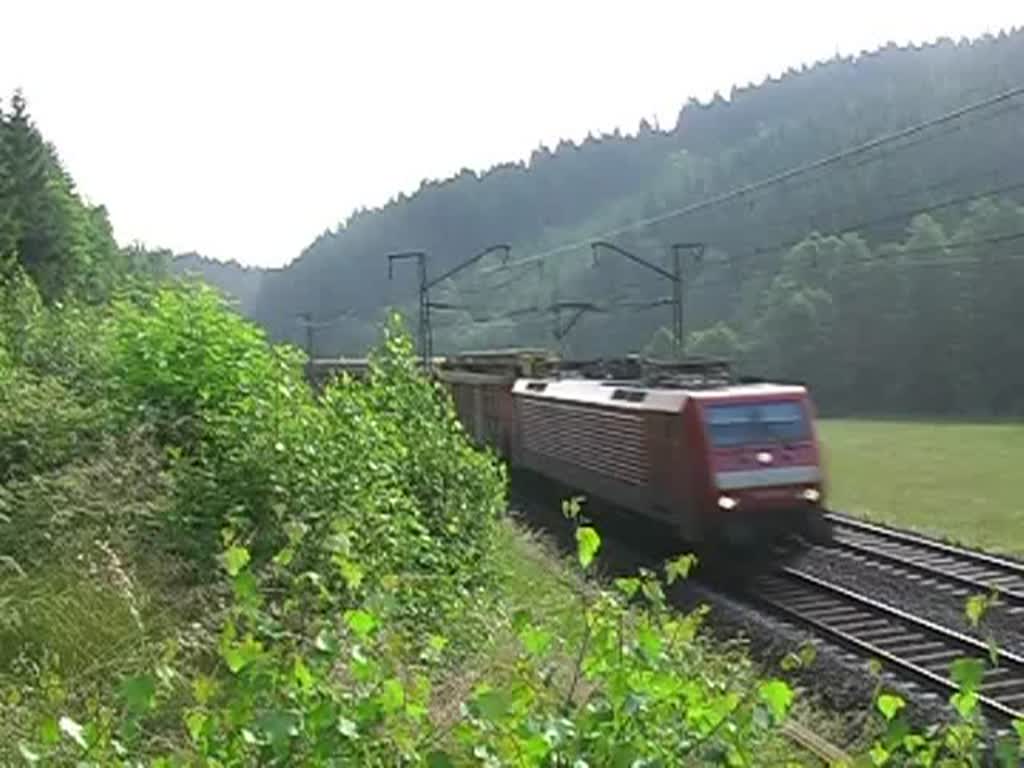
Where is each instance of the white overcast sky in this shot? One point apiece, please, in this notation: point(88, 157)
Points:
point(243, 129)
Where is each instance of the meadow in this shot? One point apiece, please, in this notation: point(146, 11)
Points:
point(961, 481)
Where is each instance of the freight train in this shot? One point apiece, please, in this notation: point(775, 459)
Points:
point(716, 459)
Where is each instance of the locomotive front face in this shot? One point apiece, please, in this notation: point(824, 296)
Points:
point(763, 462)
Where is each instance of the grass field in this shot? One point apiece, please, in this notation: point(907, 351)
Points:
point(961, 481)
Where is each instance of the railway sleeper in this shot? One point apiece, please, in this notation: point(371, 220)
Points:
point(929, 659)
point(818, 604)
point(974, 573)
point(998, 685)
point(996, 672)
point(1008, 578)
point(822, 612)
point(879, 633)
point(1012, 700)
point(862, 627)
point(903, 646)
point(838, 613)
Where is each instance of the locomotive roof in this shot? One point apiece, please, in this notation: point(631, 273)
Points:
point(639, 396)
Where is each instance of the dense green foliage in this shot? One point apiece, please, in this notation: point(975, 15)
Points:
point(65, 244)
point(897, 312)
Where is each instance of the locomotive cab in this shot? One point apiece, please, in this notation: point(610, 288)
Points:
point(764, 465)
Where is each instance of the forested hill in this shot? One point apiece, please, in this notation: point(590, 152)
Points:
point(240, 283)
point(908, 308)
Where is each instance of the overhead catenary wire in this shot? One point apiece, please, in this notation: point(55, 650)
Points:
point(346, 315)
point(643, 305)
point(783, 176)
point(808, 219)
point(859, 226)
point(856, 227)
point(890, 263)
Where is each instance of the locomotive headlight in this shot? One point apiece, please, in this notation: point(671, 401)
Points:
point(812, 495)
point(727, 502)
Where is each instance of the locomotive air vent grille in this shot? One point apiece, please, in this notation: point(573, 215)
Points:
point(630, 395)
point(537, 386)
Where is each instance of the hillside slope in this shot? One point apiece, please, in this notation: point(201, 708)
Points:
point(735, 303)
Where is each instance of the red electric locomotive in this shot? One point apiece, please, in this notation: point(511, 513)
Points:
point(683, 444)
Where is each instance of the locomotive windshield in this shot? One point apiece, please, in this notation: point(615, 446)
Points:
point(743, 423)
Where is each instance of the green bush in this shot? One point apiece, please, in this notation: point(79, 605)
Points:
point(182, 358)
point(51, 381)
point(42, 424)
point(379, 470)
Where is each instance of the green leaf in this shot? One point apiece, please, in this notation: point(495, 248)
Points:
point(679, 568)
point(879, 755)
point(139, 693)
point(1018, 726)
point(491, 705)
point(285, 556)
point(587, 543)
point(392, 695)
point(914, 742)
point(240, 655)
point(627, 585)
point(349, 570)
point(1008, 752)
point(360, 622)
point(302, 674)
point(975, 608)
point(649, 642)
point(520, 619)
point(896, 733)
point(49, 732)
point(967, 673)
point(651, 589)
point(279, 725)
point(889, 705)
point(790, 662)
point(965, 703)
point(195, 722)
point(235, 559)
point(73, 731)
point(808, 653)
point(571, 507)
point(203, 689)
point(246, 588)
point(778, 696)
point(439, 759)
point(536, 641)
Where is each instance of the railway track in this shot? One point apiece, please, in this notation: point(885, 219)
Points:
point(944, 563)
point(911, 647)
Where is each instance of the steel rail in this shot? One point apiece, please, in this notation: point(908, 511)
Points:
point(877, 630)
point(933, 558)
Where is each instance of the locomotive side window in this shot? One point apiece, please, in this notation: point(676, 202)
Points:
point(741, 423)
